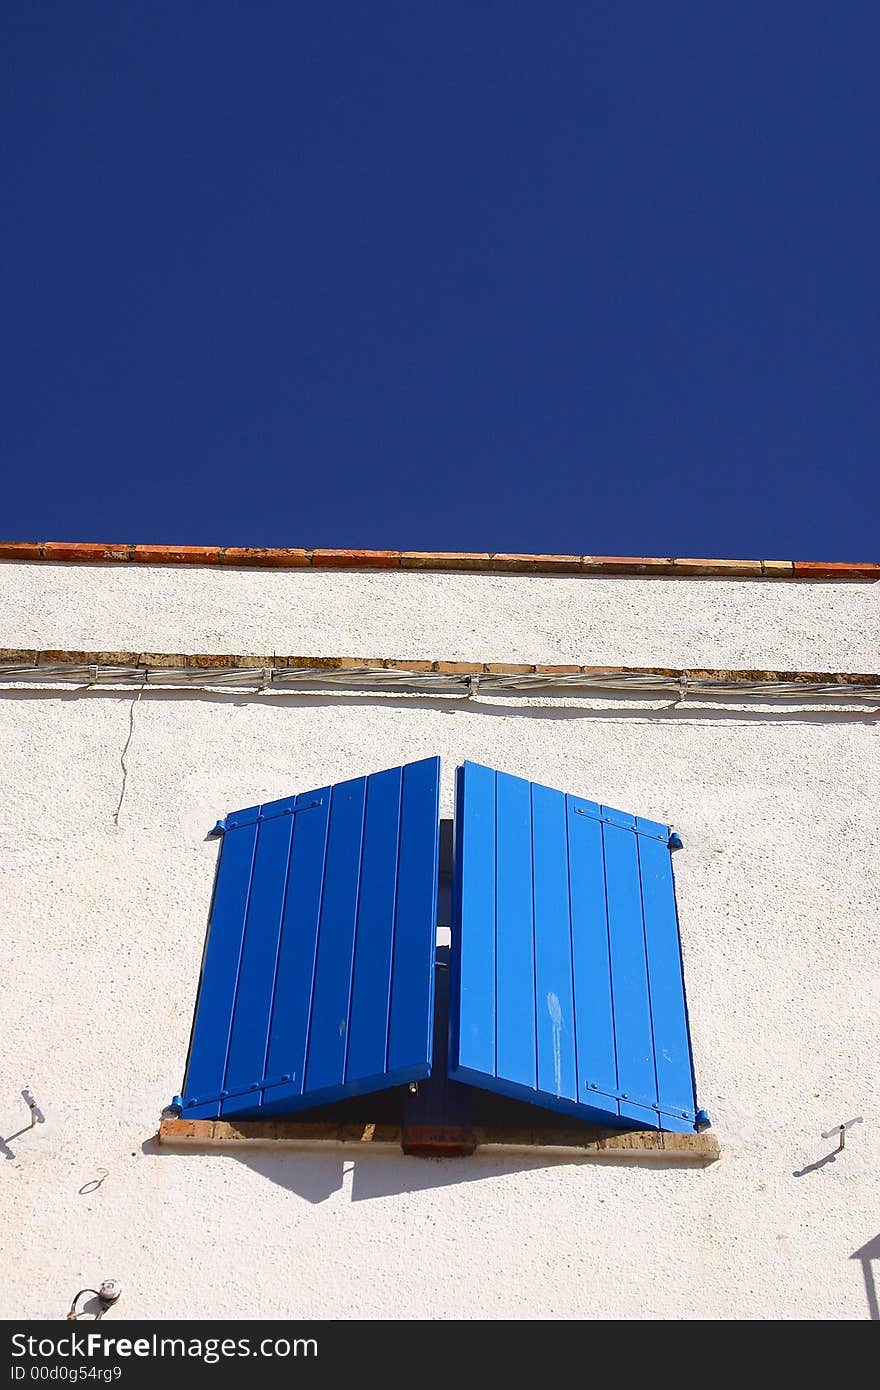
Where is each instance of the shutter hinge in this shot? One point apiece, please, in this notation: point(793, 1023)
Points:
point(605, 819)
point(222, 825)
point(179, 1104)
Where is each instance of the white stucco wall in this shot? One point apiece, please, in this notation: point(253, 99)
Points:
point(778, 888)
point(459, 617)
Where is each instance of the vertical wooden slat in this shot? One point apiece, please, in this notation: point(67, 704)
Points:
point(554, 1005)
point(675, 1082)
point(629, 975)
point(515, 938)
point(371, 980)
point(325, 1061)
point(411, 1008)
point(594, 1010)
point(256, 977)
point(297, 949)
point(205, 1075)
point(472, 1038)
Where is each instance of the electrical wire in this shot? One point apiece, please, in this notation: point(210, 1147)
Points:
point(73, 1314)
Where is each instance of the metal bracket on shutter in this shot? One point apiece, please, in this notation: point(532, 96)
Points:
point(292, 810)
point(179, 1104)
point(633, 829)
point(698, 1118)
point(222, 825)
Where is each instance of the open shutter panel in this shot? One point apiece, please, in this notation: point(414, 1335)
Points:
point(318, 976)
point(567, 985)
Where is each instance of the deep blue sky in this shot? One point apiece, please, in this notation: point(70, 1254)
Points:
point(567, 276)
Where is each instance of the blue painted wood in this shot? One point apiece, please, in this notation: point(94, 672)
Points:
point(249, 1038)
point(554, 979)
point(472, 1035)
point(318, 980)
point(374, 945)
point(206, 1067)
point(515, 933)
point(411, 1013)
point(652, 829)
point(325, 1064)
point(594, 1008)
point(295, 968)
point(629, 974)
point(672, 1049)
point(565, 919)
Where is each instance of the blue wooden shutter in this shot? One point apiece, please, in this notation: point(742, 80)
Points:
point(567, 985)
point(318, 976)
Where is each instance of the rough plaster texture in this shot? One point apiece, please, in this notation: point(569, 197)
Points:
point(460, 617)
point(778, 888)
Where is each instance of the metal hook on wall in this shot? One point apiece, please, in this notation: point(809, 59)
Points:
point(37, 1116)
point(840, 1131)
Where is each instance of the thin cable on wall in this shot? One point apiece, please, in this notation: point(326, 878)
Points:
point(369, 678)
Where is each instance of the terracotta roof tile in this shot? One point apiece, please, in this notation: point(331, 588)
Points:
point(92, 552)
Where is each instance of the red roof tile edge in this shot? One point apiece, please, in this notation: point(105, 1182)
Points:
point(89, 552)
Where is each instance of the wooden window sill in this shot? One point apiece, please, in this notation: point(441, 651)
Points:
point(632, 1145)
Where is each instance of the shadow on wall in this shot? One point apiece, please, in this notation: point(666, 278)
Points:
point(317, 1176)
point(840, 1132)
point(867, 1254)
point(639, 705)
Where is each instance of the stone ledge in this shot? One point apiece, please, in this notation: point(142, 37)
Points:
point(630, 1145)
